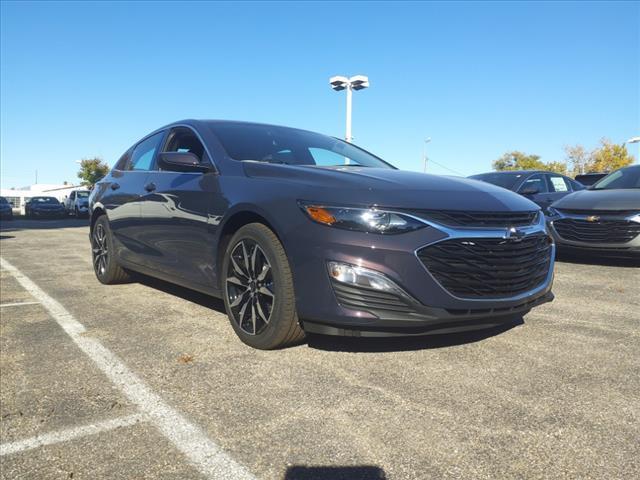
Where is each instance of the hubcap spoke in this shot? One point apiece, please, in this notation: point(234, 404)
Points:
point(239, 299)
point(99, 250)
point(245, 257)
point(265, 291)
point(236, 281)
point(266, 268)
point(264, 318)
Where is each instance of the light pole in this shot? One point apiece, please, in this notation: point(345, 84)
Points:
point(424, 152)
point(357, 82)
point(631, 140)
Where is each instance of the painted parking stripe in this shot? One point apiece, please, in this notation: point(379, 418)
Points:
point(69, 434)
point(18, 304)
point(201, 451)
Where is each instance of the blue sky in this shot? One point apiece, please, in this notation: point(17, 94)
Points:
point(480, 79)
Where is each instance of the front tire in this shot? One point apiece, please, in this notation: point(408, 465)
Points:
point(258, 289)
point(105, 265)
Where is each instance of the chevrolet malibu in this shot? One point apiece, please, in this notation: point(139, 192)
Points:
point(299, 232)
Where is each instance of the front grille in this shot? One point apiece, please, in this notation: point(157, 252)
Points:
point(457, 218)
point(601, 231)
point(617, 213)
point(359, 298)
point(489, 267)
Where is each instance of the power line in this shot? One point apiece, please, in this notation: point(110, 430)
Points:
point(447, 168)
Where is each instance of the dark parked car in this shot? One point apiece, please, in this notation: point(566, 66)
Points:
point(6, 211)
point(605, 217)
point(541, 187)
point(44, 207)
point(588, 179)
point(300, 232)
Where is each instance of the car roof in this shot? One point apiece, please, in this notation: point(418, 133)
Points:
point(504, 172)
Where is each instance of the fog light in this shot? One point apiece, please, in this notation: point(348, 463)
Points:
point(362, 277)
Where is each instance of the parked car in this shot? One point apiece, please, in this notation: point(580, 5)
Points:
point(588, 179)
point(6, 211)
point(605, 217)
point(77, 203)
point(299, 232)
point(44, 207)
point(539, 186)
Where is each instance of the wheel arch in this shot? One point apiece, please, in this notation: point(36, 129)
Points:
point(96, 213)
point(232, 224)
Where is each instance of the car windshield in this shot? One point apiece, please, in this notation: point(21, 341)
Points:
point(47, 200)
point(82, 194)
point(624, 178)
point(266, 143)
point(503, 179)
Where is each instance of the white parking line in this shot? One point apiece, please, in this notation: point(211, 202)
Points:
point(69, 434)
point(18, 304)
point(201, 451)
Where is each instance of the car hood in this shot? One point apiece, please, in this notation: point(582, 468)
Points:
point(390, 188)
point(622, 199)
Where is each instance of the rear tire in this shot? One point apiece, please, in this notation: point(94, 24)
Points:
point(105, 265)
point(258, 289)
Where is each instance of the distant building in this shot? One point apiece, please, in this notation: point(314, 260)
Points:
point(18, 196)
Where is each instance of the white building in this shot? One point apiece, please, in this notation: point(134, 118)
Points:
point(18, 196)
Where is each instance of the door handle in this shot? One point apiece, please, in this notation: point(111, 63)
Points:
point(150, 187)
point(115, 186)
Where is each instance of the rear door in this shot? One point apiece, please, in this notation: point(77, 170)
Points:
point(178, 234)
point(124, 192)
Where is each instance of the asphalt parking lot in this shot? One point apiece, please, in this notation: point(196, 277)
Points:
point(147, 380)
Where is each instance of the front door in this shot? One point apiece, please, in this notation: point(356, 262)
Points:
point(178, 231)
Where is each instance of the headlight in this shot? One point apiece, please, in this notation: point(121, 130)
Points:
point(370, 220)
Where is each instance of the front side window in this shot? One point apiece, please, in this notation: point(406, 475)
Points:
point(144, 153)
point(72, 195)
point(536, 183)
point(271, 144)
point(183, 139)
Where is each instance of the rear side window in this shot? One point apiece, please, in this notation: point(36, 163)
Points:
point(144, 153)
point(558, 184)
point(124, 161)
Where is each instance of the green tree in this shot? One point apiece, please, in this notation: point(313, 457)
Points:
point(92, 170)
point(521, 161)
point(609, 157)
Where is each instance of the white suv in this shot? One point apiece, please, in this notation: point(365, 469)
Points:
point(77, 203)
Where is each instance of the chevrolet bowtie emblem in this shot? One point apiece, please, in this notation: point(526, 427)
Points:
point(593, 218)
point(514, 234)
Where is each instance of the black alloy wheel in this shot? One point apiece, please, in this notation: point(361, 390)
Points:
point(258, 289)
point(105, 265)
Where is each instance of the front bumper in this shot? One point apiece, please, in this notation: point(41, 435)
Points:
point(427, 307)
point(47, 213)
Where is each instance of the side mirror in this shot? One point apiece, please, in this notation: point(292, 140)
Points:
point(181, 162)
point(530, 189)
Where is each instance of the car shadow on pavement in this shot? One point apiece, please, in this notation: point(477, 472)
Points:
point(20, 223)
point(604, 259)
point(399, 344)
point(337, 343)
point(365, 472)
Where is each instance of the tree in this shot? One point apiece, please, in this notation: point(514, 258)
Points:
point(521, 161)
point(92, 170)
point(606, 158)
point(610, 157)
